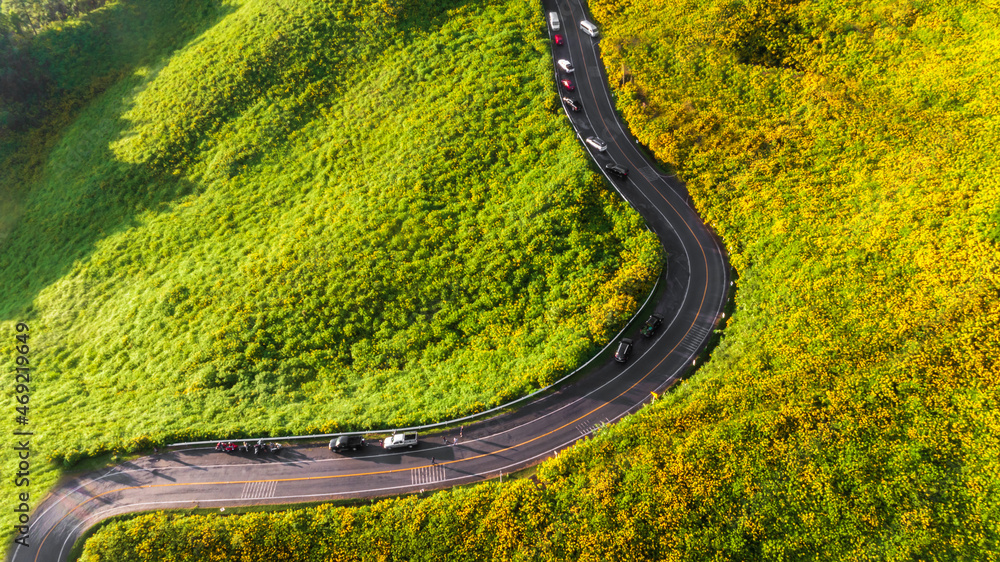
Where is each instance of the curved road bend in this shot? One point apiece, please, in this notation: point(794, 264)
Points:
point(692, 302)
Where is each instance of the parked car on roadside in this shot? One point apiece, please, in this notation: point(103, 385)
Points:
point(400, 441)
point(347, 443)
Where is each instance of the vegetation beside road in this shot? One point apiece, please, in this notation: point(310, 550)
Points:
point(846, 154)
point(298, 218)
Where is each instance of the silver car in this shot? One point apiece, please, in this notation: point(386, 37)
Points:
point(597, 143)
point(565, 65)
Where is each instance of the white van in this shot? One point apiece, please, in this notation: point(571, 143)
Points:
point(588, 28)
point(554, 21)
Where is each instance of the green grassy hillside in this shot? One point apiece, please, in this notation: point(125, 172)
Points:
point(310, 217)
point(845, 151)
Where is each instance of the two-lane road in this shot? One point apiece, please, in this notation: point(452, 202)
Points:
point(696, 287)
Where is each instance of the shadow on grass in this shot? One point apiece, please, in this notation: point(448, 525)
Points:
point(67, 191)
point(73, 192)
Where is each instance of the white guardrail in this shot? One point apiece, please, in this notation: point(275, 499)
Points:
point(456, 420)
point(502, 406)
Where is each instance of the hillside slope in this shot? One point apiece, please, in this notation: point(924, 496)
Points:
point(310, 217)
point(845, 153)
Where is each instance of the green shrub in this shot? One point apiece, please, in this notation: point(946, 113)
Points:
point(845, 153)
point(292, 223)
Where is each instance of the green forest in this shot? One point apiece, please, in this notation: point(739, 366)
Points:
point(231, 219)
point(846, 154)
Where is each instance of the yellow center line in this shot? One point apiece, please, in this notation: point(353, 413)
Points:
point(704, 256)
point(499, 451)
point(359, 474)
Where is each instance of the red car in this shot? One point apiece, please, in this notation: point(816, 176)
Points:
point(558, 39)
point(568, 84)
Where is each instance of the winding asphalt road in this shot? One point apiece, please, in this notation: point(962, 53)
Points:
point(691, 303)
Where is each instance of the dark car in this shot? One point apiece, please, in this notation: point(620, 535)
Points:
point(558, 39)
point(649, 328)
point(624, 349)
point(572, 104)
point(568, 84)
point(617, 171)
point(347, 443)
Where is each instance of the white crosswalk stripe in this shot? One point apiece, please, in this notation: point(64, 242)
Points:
point(258, 490)
point(588, 427)
point(427, 474)
point(695, 338)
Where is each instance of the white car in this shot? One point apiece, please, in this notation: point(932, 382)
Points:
point(597, 143)
point(565, 65)
point(400, 440)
